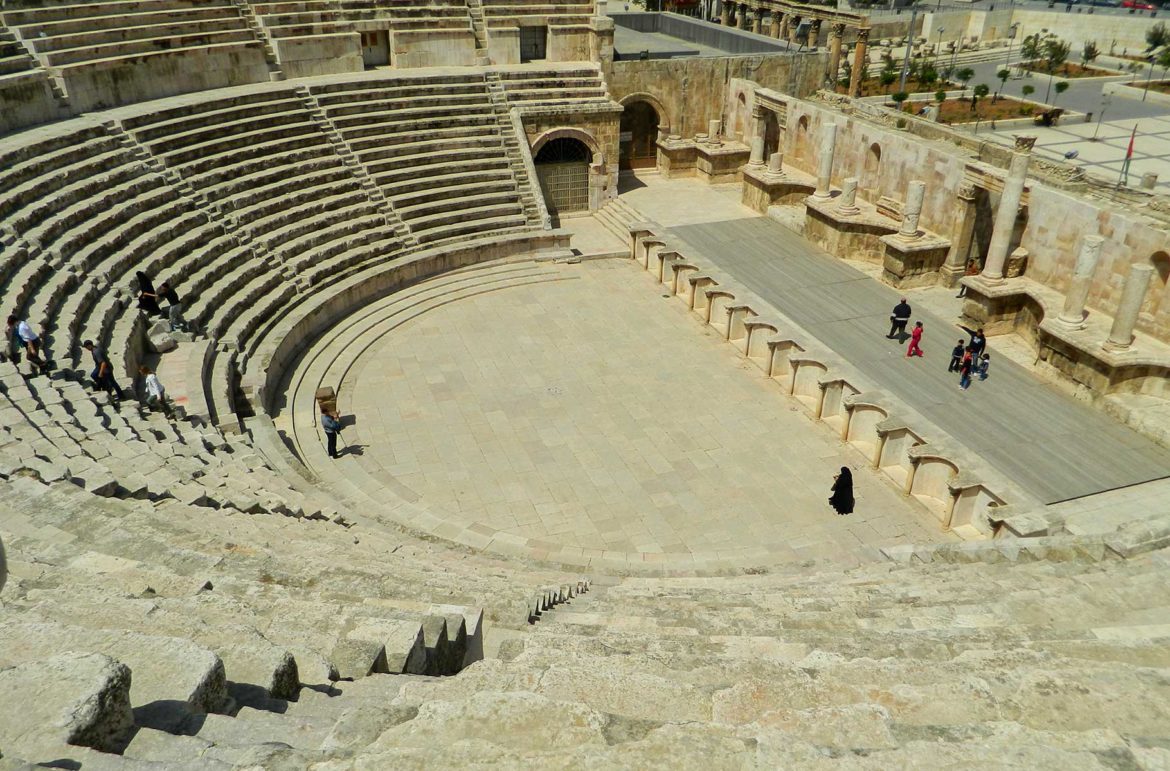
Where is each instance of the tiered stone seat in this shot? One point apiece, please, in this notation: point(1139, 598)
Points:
point(86, 212)
point(437, 155)
point(13, 57)
point(508, 13)
point(529, 88)
point(299, 212)
point(82, 42)
point(411, 15)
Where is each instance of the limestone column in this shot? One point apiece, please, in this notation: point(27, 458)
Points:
point(915, 193)
point(814, 32)
point(847, 206)
point(836, 32)
point(713, 131)
point(1132, 295)
point(725, 14)
point(1073, 314)
point(793, 28)
point(776, 17)
point(859, 59)
point(956, 262)
point(758, 116)
point(825, 160)
point(757, 20)
point(741, 16)
point(1009, 208)
point(776, 164)
point(785, 25)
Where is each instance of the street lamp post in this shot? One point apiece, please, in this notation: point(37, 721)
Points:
point(1011, 38)
point(1105, 102)
point(938, 46)
point(1149, 77)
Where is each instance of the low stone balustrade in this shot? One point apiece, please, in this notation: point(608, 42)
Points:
point(930, 473)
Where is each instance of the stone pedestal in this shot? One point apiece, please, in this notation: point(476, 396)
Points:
point(676, 157)
point(1137, 282)
point(1073, 313)
point(853, 235)
point(776, 164)
point(910, 262)
point(715, 164)
point(825, 160)
point(763, 187)
point(1009, 209)
point(758, 117)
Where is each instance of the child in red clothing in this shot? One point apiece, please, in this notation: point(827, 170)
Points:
point(915, 348)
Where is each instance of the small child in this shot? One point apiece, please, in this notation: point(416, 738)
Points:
point(984, 365)
point(966, 368)
point(956, 357)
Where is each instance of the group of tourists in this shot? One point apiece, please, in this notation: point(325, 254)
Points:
point(969, 358)
point(22, 341)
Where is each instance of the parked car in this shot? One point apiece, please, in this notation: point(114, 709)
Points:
point(1140, 5)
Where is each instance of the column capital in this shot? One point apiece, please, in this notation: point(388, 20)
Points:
point(837, 29)
point(966, 192)
point(1024, 143)
point(863, 34)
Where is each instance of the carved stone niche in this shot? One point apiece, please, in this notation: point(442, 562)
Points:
point(1017, 263)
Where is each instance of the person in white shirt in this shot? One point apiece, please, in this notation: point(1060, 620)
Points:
point(20, 332)
point(156, 395)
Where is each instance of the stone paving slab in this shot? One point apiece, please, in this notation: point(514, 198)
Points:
point(593, 414)
point(1050, 444)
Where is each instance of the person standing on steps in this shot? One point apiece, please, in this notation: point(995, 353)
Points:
point(842, 498)
point(19, 330)
point(174, 306)
point(103, 371)
point(899, 318)
point(331, 424)
point(915, 348)
point(156, 395)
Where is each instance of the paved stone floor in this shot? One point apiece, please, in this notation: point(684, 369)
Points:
point(1053, 446)
point(593, 412)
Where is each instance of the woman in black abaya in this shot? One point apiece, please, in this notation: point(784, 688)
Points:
point(842, 499)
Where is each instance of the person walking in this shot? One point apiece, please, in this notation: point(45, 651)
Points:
point(147, 298)
point(103, 371)
point(156, 395)
point(842, 498)
point(331, 424)
point(965, 370)
point(174, 306)
point(899, 318)
point(19, 330)
point(956, 357)
point(984, 366)
point(915, 348)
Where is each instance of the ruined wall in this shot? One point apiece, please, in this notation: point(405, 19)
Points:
point(1056, 219)
point(694, 91)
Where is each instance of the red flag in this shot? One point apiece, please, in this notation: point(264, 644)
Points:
point(1129, 152)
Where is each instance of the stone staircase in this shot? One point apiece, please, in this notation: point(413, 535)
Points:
point(479, 29)
point(248, 13)
point(515, 145)
point(617, 216)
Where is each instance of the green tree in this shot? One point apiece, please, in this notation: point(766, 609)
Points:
point(1055, 55)
point(1164, 62)
point(899, 97)
point(1003, 76)
point(887, 78)
point(1030, 48)
point(1089, 52)
point(965, 75)
point(1157, 36)
point(929, 76)
point(1028, 90)
point(1060, 88)
point(980, 91)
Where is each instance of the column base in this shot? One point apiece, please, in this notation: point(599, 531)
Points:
point(1070, 323)
point(1115, 347)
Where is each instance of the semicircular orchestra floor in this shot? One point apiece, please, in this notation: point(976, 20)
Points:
point(572, 413)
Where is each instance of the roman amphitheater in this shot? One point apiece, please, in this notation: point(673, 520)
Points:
point(602, 298)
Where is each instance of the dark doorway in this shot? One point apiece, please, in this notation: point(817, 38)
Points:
point(533, 44)
point(639, 137)
point(562, 166)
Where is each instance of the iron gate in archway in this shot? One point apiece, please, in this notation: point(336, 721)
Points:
point(562, 166)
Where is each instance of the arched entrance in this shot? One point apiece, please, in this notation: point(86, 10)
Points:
point(639, 136)
point(771, 135)
point(562, 166)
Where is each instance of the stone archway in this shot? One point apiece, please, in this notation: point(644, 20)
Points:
point(563, 170)
point(1159, 284)
point(771, 135)
point(638, 139)
point(871, 174)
